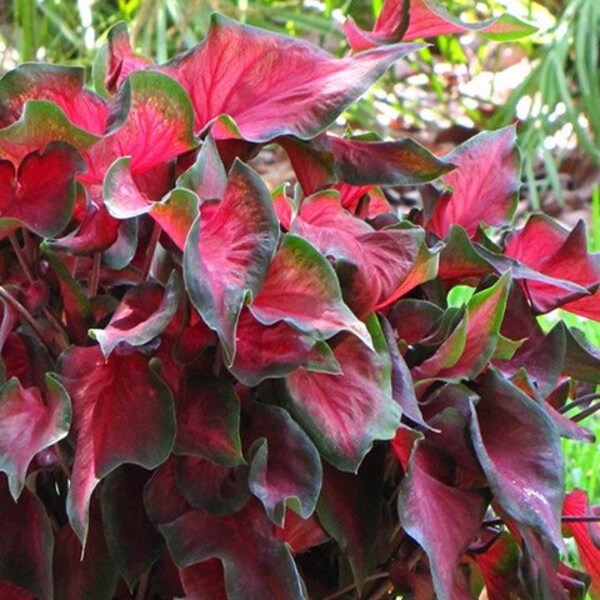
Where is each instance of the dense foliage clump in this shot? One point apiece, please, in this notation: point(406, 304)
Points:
point(214, 390)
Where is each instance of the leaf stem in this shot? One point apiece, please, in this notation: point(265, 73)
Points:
point(9, 299)
point(578, 402)
point(21, 257)
point(95, 275)
point(156, 231)
point(567, 519)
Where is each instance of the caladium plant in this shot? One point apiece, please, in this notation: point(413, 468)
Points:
point(215, 390)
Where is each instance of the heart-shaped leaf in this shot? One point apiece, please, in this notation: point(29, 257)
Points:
point(228, 251)
point(344, 414)
point(301, 288)
point(270, 84)
point(122, 413)
point(208, 418)
point(256, 564)
point(484, 184)
point(29, 422)
point(286, 467)
point(41, 192)
point(547, 247)
point(144, 312)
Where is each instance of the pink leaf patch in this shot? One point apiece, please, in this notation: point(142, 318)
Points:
point(227, 255)
point(41, 192)
point(412, 19)
point(344, 414)
point(28, 425)
point(62, 86)
point(122, 413)
point(484, 184)
point(155, 124)
point(270, 84)
point(265, 351)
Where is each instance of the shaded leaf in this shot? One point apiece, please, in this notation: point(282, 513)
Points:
point(26, 543)
point(519, 450)
point(134, 544)
point(208, 421)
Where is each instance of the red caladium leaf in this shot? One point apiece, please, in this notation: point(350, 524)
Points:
point(472, 343)
point(547, 247)
point(265, 351)
point(40, 194)
point(29, 422)
point(63, 86)
point(484, 184)
point(304, 92)
point(26, 543)
point(587, 536)
point(40, 124)
point(344, 497)
point(426, 493)
point(98, 232)
point(286, 467)
point(9, 591)
point(402, 384)
point(155, 124)
point(120, 60)
point(92, 575)
point(207, 177)
point(227, 255)
point(114, 421)
point(499, 565)
point(77, 308)
point(255, 563)
point(134, 543)
point(301, 534)
point(344, 414)
point(124, 199)
point(144, 312)
point(519, 449)
point(301, 288)
point(400, 162)
point(412, 19)
point(218, 489)
point(204, 580)
point(208, 419)
point(373, 265)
